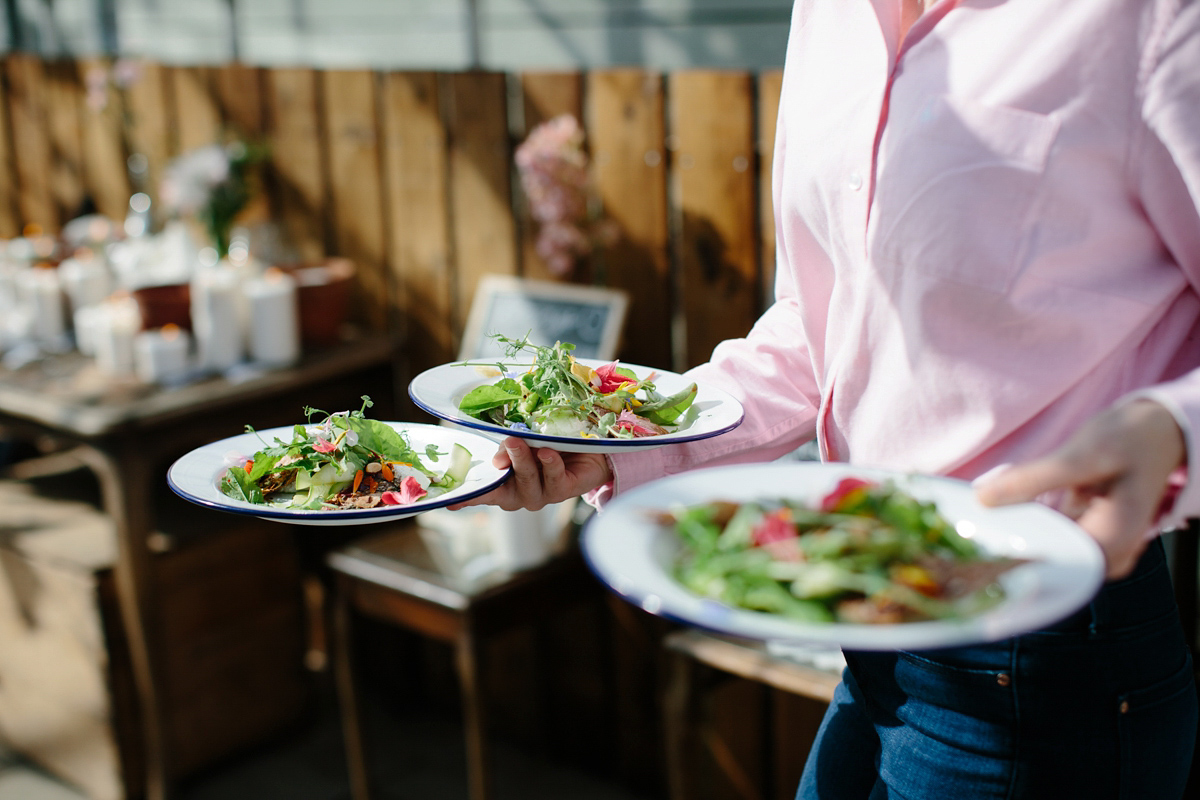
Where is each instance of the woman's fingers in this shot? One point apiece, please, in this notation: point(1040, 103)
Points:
point(541, 477)
point(1112, 475)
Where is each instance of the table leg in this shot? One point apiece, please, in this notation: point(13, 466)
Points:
point(343, 667)
point(127, 488)
point(475, 726)
point(679, 725)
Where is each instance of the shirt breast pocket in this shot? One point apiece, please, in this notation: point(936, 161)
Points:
point(955, 189)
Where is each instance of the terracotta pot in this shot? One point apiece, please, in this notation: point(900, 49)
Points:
point(164, 305)
point(323, 289)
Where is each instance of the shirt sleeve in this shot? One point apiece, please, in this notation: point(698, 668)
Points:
point(770, 374)
point(1170, 190)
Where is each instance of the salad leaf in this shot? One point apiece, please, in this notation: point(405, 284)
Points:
point(346, 460)
point(483, 398)
point(559, 395)
point(868, 553)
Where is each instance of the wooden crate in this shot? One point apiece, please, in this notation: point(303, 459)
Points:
point(232, 629)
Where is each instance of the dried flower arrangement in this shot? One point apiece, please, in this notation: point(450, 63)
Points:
point(553, 168)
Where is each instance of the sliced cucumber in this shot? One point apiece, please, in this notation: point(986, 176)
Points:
point(460, 464)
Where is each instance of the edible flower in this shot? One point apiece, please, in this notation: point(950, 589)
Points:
point(777, 534)
point(410, 492)
point(610, 379)
point(323, 446)
point(638, 426)
point(846, 493)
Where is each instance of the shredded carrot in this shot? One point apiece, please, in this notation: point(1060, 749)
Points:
point(387, 473)
point(249, 466)
point(358, 476)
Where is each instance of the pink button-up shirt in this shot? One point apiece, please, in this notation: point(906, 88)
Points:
point(986, 235)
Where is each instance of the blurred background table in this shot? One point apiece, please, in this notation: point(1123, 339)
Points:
point(127, 434)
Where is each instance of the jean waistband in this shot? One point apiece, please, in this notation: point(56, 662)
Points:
point(1145, 594)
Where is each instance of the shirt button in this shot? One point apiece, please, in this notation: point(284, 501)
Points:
point(855, 181)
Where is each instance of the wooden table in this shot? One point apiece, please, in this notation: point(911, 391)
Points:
point(397, 578)
point(127, 434)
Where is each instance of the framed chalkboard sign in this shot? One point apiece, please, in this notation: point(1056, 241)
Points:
point(589, 317)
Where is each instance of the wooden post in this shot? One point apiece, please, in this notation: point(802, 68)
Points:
point(27, 113)
point(485, 236)
point(356, 188)
point(105, 171)
point(626, 129)
point(545, 95)
point(64, 106)
point(298, 183)
point(770, 84)
point(715, 195)
point(414, 153)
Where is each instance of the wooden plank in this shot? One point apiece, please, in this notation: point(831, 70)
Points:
point(10, 221)
point(770, 83)
point(356, 191)
point(418, 219)
point(104, 152)
point(238, 92)
point(545, 95)
point(296, 174)
point(31, 141)
point(147, 127)
point(485, 239)
point(64, 105)
point(714, 178)
point(197, 121)
point(626, 127)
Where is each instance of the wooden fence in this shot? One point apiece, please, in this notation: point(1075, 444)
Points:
point(411, 175)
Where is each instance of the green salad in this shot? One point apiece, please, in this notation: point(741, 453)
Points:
point(344, 461)
point(867, 553)
point(558, 395)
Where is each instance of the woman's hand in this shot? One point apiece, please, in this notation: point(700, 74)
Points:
point(1113, 473)
point(541, 477)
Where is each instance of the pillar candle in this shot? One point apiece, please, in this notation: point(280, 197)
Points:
point(115, 327)
point(161, 356)
point(217, 318)
point(85, 279)
point(40, 290)
point(273, 319)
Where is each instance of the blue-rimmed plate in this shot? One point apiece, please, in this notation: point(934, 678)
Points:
point(196, 476)
point(439, 391)
point(634, 555)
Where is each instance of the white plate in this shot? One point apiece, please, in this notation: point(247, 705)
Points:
point(439, 391)
point(196, 476)
point(634, 556)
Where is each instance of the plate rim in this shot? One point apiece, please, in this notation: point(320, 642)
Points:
point(926, 634)
point(578, 444)
point(305, 515)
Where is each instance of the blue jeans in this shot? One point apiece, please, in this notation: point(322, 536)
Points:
point(1100, 705)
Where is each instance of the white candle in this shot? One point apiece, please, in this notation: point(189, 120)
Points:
point(217, 318)
point(116, 325)
point(86, 279)
point(161, 356)
point(273, 319)
point(87, 325)
point(40, 291)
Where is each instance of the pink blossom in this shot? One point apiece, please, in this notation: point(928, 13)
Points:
point(638, 426)
point(410, 492)
point(323, 446)
point(610, 379)
point(553, 168)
